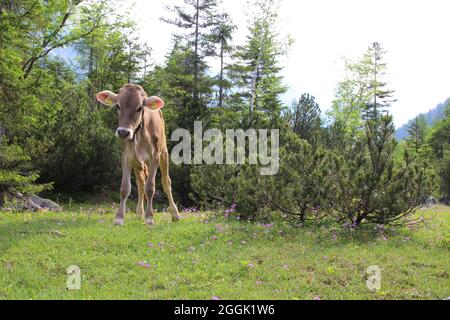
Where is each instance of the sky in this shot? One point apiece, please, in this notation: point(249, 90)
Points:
point(415, 33)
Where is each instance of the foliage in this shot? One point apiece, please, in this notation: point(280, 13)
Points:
point(85, 153)
point(439, 140)
point(256, 72)
point(417, 134)
point(371, 185)
point(347, 168)
point(303, 189)
point(363, 86)
point(15, 176)
point(305, 119)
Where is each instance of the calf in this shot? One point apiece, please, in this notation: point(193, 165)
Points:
point(142, 131)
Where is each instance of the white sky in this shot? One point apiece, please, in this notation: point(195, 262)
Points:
point(416, 34)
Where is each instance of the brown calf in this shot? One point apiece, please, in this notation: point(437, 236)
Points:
point(142, 130)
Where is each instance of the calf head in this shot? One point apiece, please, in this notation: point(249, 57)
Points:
point(131, 102)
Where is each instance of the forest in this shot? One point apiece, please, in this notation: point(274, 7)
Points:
point(343, 164)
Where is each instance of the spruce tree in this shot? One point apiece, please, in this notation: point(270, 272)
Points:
point(417, 134)
point(222, 34)
point(256, 74)
point(197, 18)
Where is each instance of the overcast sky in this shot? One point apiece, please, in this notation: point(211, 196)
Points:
point(416, 34)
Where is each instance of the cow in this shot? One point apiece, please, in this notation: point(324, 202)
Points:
point(142, 133)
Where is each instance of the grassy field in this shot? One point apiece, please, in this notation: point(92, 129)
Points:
point(203, 257)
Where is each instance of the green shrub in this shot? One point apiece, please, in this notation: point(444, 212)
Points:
point(16, 174)
point(85, 152)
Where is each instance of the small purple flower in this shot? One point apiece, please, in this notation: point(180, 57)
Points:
point(334, 237)
point(317, 298)
point(215, 299)
point(150, 245)
point(251, 265)
point(144, 264)
point(259, 282)
point(214, 238)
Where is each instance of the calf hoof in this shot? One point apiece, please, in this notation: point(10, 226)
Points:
point(176, 218)
point(149, 222)
point(119, 222)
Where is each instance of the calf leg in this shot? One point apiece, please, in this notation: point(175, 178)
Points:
point(141, 178)
point(125, 190)
point(167, 186)
point(150, 189)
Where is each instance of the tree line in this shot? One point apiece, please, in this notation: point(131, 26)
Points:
point(344, 164)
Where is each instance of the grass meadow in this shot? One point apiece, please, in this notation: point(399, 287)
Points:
point(206, 256)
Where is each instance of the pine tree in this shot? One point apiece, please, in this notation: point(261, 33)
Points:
point(372, 185)
point(305, 119)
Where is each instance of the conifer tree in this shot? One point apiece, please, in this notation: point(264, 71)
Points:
point(305, 119)
point(197, 18)
point(257, 73)
point(417, 134)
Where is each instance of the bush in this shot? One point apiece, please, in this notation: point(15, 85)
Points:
point(362, 182)
point(444, 173)
point(371, 186)
point(84, 153)
point(16, 174)
point(299, 191)
point(302, 189)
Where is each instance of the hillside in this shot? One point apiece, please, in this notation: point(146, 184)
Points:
point(431, 117)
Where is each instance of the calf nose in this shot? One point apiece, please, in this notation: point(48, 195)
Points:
point(123, 133)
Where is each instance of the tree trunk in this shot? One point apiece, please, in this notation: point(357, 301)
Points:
point(221, 75)
point(196, 58)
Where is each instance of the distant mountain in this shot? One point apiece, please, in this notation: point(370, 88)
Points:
point(431, 117)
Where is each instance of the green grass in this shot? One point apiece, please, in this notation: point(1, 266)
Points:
point(188, 261)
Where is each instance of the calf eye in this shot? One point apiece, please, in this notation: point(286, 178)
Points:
point(139, 109)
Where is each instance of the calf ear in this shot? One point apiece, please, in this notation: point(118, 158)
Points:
point(154, 103)
point(107, 98)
